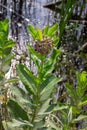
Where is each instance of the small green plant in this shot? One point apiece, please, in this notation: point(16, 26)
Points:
point(78, 96)
point(28, 105)
point(76, 102)
point(5, 48)
point(34, 107)
point(5, 59)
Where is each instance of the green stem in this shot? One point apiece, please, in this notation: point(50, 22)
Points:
point(32, 121)
point(38, 95)
point(33, 118)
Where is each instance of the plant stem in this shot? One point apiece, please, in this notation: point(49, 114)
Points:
point(33, 118)
point(38, 94)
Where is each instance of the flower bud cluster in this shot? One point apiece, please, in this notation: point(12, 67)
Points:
point(44, 46)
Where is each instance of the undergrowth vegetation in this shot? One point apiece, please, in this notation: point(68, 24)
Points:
point(34, 106)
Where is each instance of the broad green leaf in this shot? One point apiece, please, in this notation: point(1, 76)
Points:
point(52, 125)
point(17, 111)
point(32, 31)
point(21, 97)
point(46, 92)
point(8, 126)
point(49, 110)
point(53, 30)
point(44, 107)
point(27, 78)
point(56, 107)
point(50, 63)
point(37, 61)
point(39, 125)
point(46, 81)
point(16, 124)
point(35, 57)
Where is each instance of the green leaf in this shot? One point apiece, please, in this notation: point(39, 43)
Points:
point(8, 44)
point(52, 125)
point(50, 63)
point(2, 74)
point(55, 107)
point(50, 109)
point(16, 124)
point(39, 125)
point(79, 118)
point(8, 59)
point(17, 111)
point(46, 92)
point(35, 57)
point(46, 81)
point(5, 68)
point(44, 107)
point(46, 30)
point(76, 110)
point(12, 80)
point(72, 92)
point(60, 107)
point(36, 54)
point(70, 115)
point(82, 83)
point(40, 35)
point(37, 61)
point(55, 40)
point(32, 31)
point(6, 52)
point(4, 25)
point(6, 48)
point(27, 78)
point(21, 97)
point(53, 30)
point(83, 103)
point(8, 126)
point(84, 98)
